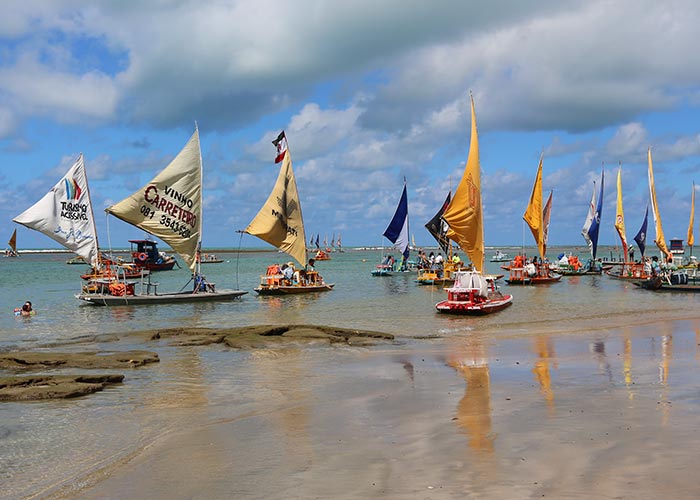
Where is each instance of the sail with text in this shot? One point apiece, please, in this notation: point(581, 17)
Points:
point(620, 215)
point(641, 237)
point(397, 231)
point(546, 216)
point(591, 227)
point(279, 222)
point(533, 214)
point(170, 205)
point(65, 214)
point(660, 240)
point(464, 215)
point(437, 227)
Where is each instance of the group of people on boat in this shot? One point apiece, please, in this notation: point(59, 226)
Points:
point(293, 276)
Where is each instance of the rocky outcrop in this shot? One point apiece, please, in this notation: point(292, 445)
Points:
point(30, 388)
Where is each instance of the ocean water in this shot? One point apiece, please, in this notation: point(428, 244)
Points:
point(54, 447)
point(391, 304)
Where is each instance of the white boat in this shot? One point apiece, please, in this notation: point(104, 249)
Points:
point(170, 208)
point(500, 257)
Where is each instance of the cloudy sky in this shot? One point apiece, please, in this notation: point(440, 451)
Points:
point(368, 93)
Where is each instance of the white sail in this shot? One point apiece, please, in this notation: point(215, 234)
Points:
point(65, 214)
point(589, 220)
point(170, 205)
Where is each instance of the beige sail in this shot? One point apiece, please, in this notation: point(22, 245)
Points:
point(620, 215)
point(660, 240)
point(546, 216)
point(279, 222)
point(533, 214)
point(464, 215)
point(170, 205)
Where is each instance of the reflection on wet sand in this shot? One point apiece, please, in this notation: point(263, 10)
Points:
point(544, 348)
point(666, 355)
point(470, 359)
point(627, 361)
point(281, 378)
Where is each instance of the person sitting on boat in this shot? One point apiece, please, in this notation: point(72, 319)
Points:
point(310, 271)
point(456, 261)
point(201, 284)
point(431, 259)
point(288, 272)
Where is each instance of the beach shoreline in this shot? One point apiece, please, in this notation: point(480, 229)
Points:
point(602, 414)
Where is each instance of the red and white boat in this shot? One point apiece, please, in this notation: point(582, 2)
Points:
point(473, 294)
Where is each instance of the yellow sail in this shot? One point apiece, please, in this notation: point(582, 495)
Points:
point(464, 215)
point(170, 205)
point(619, 215)
point(533, 214)
point(279, 222)
point(660, 240)
point(691, 238)
point(13, 241)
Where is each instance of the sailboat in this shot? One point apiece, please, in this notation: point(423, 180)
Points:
point(628, 269)
point(662, 279)
point(534, 272)
point(396, 232)
point(65, 214)
point(280, 223)
point(11, 251)
point(438, 227)
point(472, 292)
point(170, 208)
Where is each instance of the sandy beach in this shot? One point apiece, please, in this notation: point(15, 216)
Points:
point(603, 414)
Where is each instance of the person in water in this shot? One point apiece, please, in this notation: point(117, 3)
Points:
point(26, 310)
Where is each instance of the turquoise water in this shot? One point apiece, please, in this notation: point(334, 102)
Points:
point(392, 304)
point(48, 446)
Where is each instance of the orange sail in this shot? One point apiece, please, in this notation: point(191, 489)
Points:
point(691, 238)
point(620, 216)
point(660, 240)
point(533, 214)
point(464, 214)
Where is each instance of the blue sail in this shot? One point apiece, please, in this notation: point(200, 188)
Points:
point(595, 224)
point(397, 231)
point(641, 238)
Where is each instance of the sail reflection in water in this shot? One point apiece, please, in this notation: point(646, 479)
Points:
point(470, 359)
point(544, 348)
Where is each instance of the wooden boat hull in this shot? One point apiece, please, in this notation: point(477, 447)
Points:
point(293, 289)
point(164, 298)
point(474, 309)
point(535, 280)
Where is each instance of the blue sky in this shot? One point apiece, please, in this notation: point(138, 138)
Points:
point(368, 93)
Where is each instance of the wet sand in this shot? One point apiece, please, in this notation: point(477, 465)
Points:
point(604, 414)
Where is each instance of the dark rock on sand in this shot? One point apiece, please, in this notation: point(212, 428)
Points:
point(27, 360)
point(28, 388)
point(262, 336)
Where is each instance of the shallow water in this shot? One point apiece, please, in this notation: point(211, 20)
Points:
point(46, 446)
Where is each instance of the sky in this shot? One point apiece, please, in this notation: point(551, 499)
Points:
point(368, 93)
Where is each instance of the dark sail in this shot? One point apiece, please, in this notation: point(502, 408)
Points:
point(438, 227)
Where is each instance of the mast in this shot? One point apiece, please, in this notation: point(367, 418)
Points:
point(198, 264)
